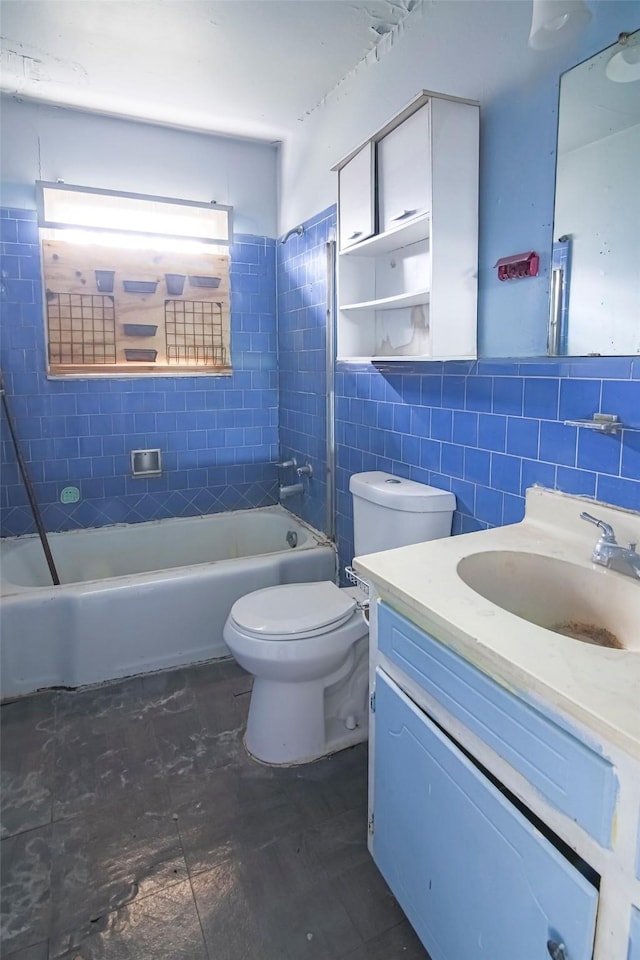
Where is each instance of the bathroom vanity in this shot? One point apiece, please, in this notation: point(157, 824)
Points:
point(505, 755)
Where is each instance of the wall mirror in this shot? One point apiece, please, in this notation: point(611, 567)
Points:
point(595, 279)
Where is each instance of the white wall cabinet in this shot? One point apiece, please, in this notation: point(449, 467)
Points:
point(408, 288)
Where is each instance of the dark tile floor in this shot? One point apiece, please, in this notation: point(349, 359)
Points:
point(136, 826)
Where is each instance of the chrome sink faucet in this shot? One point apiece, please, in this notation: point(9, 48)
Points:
point(608, 552)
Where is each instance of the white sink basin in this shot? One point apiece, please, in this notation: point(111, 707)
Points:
point(585, 604)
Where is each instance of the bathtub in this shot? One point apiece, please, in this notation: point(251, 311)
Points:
point(141, 597)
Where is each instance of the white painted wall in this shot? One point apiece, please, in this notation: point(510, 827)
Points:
point(476, 49)
point(446, 47)
point(604, 292)
point(51, 143)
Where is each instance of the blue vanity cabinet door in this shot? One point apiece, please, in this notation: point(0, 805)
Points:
point(571, 775)
point(476, 879)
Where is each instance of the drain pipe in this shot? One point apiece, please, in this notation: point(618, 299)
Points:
point(330, 521)
point(29, 487)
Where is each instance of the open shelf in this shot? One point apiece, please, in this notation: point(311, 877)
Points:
point(401, 236)
point(412, 299)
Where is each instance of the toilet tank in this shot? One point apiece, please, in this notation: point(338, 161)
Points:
point(392, 512)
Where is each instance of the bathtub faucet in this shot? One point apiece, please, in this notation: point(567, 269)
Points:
point(290, 490)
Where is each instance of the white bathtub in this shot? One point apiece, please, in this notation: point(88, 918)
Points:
point(141, 597)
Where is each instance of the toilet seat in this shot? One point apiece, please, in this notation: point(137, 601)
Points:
point(293, 611)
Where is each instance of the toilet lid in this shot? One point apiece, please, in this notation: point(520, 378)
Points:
point(295, 609)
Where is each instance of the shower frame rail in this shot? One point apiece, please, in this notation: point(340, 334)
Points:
point(331, 392)
point(26, 479)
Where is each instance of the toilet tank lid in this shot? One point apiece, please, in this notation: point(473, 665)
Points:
point(382, 488)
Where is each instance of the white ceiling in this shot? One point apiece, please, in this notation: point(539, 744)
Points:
point(249, 68)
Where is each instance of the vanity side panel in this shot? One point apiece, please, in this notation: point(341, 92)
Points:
point(575, 779)
point(454, 245)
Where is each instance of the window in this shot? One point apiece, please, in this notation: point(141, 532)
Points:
point(134, 284)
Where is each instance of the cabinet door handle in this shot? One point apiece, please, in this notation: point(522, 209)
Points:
point(405, 213)
point(356, 233)
point(556, 950)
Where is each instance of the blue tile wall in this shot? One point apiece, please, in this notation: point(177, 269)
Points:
point(484, 429)
point(218, 435)
point(487, 430)
point(302, 305)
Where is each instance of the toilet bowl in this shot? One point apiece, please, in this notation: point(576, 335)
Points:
point(306, 646)
point(307, 643)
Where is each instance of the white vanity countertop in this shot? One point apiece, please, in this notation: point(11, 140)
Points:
point(598, 686)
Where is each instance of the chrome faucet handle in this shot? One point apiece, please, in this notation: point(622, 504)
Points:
point(608, 533)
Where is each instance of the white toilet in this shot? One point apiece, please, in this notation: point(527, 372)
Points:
point(307, 643)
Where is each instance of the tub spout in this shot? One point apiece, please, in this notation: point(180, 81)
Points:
point(291, 490)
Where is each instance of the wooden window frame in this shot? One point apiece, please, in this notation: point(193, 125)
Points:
point(152, 311)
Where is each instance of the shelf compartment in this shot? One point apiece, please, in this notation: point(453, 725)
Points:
point(201, 281)
point(394, 333)
point(140, 329)
point(175, 283)
point(411, 299)
point(105, 280)
point(401, 236)
point(133, 355)
point(140, 286)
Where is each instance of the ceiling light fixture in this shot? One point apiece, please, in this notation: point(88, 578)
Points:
point(554, 22)
point(624, 64)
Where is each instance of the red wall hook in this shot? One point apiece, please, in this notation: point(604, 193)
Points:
point(518, 265)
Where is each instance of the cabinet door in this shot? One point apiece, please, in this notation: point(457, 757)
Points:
point(404, 171)
point(356, 198)
point(571, 775)
point(476, 879)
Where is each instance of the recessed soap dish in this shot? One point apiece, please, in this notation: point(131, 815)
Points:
point(146, 463)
